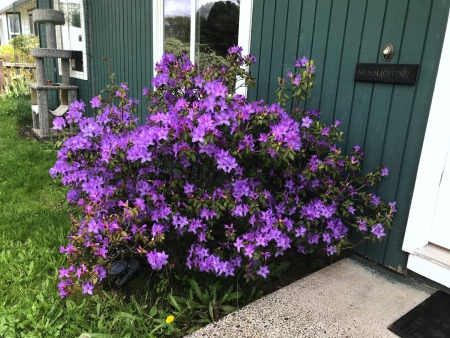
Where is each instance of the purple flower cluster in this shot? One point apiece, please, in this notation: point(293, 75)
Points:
point(225, 183)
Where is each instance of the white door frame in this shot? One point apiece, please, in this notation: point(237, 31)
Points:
point(430, 261)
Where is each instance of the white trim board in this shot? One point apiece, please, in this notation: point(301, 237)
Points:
point(435, 148)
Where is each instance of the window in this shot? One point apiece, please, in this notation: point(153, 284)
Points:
point(71, 35)
point(30, 22)
point(13, 24)
point(204, 29)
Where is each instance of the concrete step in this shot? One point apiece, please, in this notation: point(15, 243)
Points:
point(350, 298)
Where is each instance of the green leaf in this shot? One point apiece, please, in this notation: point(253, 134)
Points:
point(154, 310)
point(173, 302)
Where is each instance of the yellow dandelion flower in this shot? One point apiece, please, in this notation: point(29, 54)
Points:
point(170, 319)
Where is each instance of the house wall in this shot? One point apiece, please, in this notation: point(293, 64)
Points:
point(121, 31)
point(24, 10)
point(387, 120)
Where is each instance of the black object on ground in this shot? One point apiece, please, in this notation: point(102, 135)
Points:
point(430, 319)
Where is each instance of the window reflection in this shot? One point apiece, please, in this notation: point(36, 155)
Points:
point(177, 26)
point(72, 36)
point(217, 25)
point(216, 28)
point(13, 24)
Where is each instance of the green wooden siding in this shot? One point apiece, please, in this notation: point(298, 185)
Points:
point(121, 31)
point(387, 120)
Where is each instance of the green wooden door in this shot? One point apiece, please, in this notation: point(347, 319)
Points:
point(387, 120)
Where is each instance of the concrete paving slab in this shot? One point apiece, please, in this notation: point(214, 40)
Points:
point(351, 298)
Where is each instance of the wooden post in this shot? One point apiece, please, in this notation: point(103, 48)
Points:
point(2, 76)
point(8, 70)
point(16, 60)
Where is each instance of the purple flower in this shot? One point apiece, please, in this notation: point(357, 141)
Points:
point(59, 123)
point(62, 288)
point(235, 50)
point(249, 250)
point(378, 230)
point(306, 122)
point(157, 229)
point(300, 232)
point(207, 214)
point(301, 62)
point(331, 250)
point(101, 272)
point(384, 172)
point(96, 102)
point(145, 91)
point(362, 225)
point(375, 200)
point(263, 138)
point(189, 188)
point(263, 271)
point(157, 259)
point(64, 273)
point(241, 210)
point(225, 161)
point(310, 69)
point(101, 252)
point(87, 288)
point(392, 205)
point(351, 210)
point(313, 239)
point(239, 244)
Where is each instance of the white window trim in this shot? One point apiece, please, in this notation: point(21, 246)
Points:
point(245, 27)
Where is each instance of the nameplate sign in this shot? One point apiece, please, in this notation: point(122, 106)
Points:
point(376, 72)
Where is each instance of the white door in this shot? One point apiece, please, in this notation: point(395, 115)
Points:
point(440, 229)
point(427, 237)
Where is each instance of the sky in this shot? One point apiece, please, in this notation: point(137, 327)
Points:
point(4, 3)
point(181, 7)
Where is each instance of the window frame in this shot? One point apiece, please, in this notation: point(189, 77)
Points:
point(76, 74)
point(8, 21)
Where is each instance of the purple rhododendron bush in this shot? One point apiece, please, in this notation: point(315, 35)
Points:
point(210, 182)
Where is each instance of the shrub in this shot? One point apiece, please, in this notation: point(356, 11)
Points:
point(210, 182)
point(21, 46)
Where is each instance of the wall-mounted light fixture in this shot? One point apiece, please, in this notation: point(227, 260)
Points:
point(388, 51)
